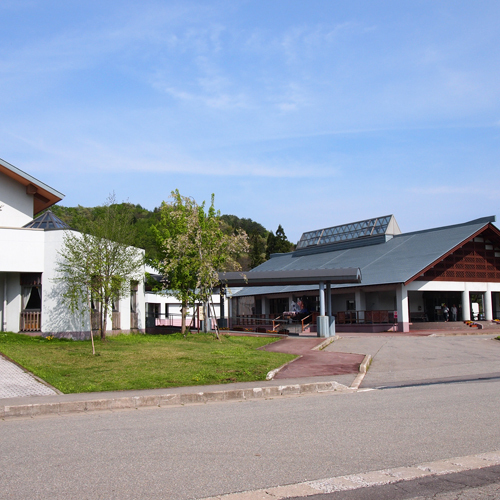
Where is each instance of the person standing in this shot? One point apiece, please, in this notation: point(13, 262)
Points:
point(446, 312)
point(454, 312)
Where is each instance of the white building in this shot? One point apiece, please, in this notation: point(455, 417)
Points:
point(30, 298)
point(164, 310)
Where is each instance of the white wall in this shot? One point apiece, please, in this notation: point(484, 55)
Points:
point(175, 307)
point(56, 316)
point(17, 207)
point(21, 250)
point(453, 286)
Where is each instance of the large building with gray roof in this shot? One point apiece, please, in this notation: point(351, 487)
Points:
point(430, 275)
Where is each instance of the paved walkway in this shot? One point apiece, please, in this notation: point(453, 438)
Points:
point(314, 363)
point(401, 359)
point(15, 382)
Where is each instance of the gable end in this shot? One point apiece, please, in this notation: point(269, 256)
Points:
point(476, 259)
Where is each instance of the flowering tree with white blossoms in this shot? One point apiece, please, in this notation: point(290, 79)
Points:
point(193, 249)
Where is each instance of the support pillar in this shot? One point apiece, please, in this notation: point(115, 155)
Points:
point(321, 298)
point(403, 311)
point(466, 304)
point(323, 324)
point(488, 305)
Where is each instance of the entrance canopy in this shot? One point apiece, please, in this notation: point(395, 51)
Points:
point(292, 277)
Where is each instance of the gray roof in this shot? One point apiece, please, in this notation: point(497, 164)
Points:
point(396, 260)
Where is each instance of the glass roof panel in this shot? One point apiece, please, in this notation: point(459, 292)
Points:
point(47, 221)
point(345, 232)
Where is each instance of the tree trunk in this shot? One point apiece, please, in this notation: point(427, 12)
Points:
point(104, 320)
point(183, 316)
point(89, 303)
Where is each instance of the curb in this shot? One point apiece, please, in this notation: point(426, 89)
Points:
point(368, 479)
point(270, 375)
point(363, 368)
point(163, 400)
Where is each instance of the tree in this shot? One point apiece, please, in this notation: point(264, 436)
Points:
point(192, 249)
point(282, 245)
point(277, 243)
point(97, 265)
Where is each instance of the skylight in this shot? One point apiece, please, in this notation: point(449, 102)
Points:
point(47, 221)
point(347, 232)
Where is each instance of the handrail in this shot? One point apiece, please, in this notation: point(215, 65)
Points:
point(274, 321)
point(304, 327)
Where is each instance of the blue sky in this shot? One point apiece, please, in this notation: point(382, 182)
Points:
point(305, 114)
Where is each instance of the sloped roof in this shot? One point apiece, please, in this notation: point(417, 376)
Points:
point(43, 196)
point(397, 260)
point(47, 221)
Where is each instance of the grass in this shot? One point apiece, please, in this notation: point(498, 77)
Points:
point(142, 361)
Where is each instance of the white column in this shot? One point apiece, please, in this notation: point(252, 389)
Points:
point(466, 304)
point(488, 305)
point(322, 298)
point(403, 311)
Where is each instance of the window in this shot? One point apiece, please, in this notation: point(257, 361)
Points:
point(134, 287)
point(31, 285)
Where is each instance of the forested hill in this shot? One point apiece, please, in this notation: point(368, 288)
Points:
point(262, 241)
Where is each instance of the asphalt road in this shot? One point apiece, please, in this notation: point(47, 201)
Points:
point(203, 450)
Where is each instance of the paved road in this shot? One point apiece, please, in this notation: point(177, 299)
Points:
point(198, 451)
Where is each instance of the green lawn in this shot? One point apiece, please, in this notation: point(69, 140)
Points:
point(142, 361)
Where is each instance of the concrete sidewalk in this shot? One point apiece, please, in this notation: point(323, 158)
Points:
point(403, 360)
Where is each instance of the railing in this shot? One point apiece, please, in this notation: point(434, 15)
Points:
point(272, 322)
point(311, 318)
point(115, 320)
point(175, 320)
point(277, 322)
point(30, 321)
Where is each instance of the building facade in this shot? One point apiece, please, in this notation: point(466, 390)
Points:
point(30, 295)
point(450, 272)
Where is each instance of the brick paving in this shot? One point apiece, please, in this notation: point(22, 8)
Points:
point(314, 363)
point(15, 382)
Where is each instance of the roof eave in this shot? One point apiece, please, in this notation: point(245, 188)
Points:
point(43, 195)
